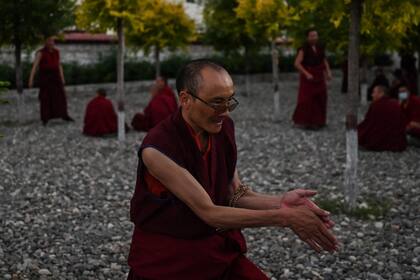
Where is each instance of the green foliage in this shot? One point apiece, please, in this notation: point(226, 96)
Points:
point(3, 87)
point(372, 208)
point(265, 19)
point(224, 30)
point(160, 24)
point(101, 15)
point(27, 22)
point(384, 23)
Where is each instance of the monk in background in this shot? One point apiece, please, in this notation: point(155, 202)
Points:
point(410, 105)
point(383, 128)
point(100, 117)
point(311, 109)
point(52, 97)
point(162, 104)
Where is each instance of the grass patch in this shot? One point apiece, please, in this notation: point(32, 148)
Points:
point(371, 208)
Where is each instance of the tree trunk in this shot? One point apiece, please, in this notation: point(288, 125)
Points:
point(19, 81)
point(364, 81)
point(351, 188)
point(157, 61)
point(120, 81)
point(247, 68)
point(275, 66)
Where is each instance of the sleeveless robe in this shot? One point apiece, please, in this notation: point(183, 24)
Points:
point(311, 108)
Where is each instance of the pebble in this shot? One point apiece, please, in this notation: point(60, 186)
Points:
point(66, 197)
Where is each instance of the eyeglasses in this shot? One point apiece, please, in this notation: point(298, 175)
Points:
point(220, 107)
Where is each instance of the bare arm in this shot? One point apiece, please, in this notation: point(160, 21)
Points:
point(299, 66)
point(34, 69)
point(184, 186)
point(254, 200)
point(327, 69)
point(62, 74)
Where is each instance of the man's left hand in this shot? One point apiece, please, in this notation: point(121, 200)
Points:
point(301, 197)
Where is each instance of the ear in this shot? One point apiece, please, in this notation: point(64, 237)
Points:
point(184, 99)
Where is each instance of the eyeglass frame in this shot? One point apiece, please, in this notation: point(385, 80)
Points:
point(213, 106)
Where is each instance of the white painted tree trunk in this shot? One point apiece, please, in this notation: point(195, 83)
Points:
point(157, 61)
point(120, 81)
point(364, 94)
point(21, 113)
point(275, 66)
point(351, 187)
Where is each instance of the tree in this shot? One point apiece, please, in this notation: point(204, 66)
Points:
point(100, 15)
point(25, 23)
point(265, 20)
point(227, 33)
point(351, 188)
point(160, 24)
point(381, 27)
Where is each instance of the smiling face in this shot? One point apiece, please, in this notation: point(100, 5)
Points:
point(216, 87)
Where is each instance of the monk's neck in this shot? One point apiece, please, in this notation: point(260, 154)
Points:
point(201, 133)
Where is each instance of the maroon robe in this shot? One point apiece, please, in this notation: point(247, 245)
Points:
point(383, 128)
point(169, 240)
point(100, 117)
point(311, 108)
point(51, 89)
point(411, 111)
point(159, 108)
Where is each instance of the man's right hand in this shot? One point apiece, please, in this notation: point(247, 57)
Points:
point(311, 229)
point(309, 76)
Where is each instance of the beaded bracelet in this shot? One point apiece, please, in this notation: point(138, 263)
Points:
point(241, 191)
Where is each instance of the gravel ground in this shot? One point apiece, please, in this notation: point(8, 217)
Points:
point(65, 198)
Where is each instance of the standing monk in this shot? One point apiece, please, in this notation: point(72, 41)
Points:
point(189, 203)
point(51, 83)
point(311, 108)
point(162, 104)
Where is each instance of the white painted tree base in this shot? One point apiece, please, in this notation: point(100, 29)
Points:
point(276, 115)
point(364, 94)
point(351, 187)
point(121, 126)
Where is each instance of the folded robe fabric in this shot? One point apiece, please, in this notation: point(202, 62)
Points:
point(383, 128)
point(159, 108)
point(100, 117)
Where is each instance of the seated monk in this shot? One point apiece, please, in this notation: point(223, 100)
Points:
point(100, 117)
point(380, 80)
point(383, 127)
point(189, 204)
point(162, 104)
point(410, 105)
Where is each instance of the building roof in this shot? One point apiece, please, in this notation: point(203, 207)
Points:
point(86, 37)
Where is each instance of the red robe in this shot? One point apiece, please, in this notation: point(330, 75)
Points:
point(383, 128)
point(311, 108)
point(51, 89)
point(411, 111)
point(100, 117)
point(159, 108)
point(169, 240)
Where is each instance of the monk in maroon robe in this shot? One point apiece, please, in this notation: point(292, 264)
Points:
point(162, 104)
point(311, 108)
point(383, 128)
point(100, 117)
point(189, 203)
point(410, 105)
point(53, 102)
